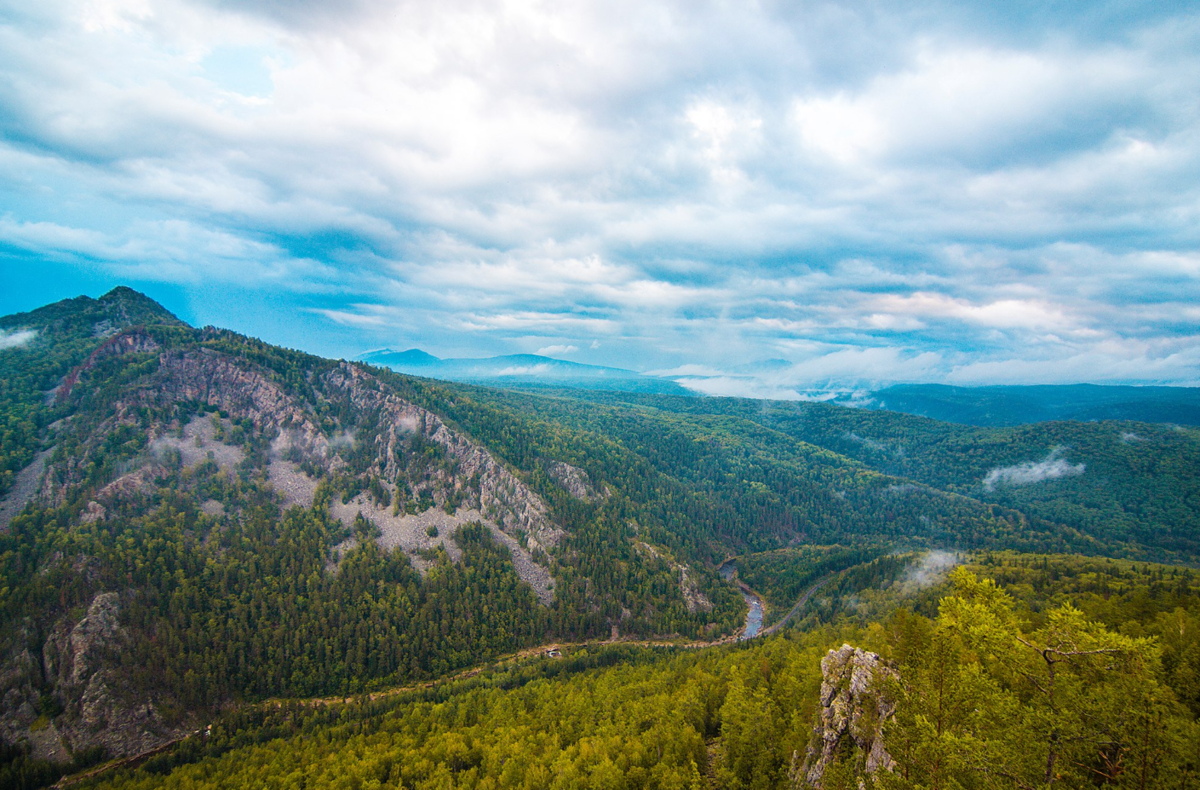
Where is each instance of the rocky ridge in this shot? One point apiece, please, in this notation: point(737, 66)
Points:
point(89, 705)
point(854, 709)
point(502, 497)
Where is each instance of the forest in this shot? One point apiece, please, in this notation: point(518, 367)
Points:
point(973, 704)
point(230, 594)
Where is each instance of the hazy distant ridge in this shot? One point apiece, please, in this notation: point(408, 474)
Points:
point(522, 370)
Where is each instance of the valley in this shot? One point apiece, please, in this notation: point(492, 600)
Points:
point(199, 528)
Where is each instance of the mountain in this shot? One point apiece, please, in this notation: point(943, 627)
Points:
point(887, 683)
point(1018, 405)
point(193, 521)
point(401, 360)
point(522, 371)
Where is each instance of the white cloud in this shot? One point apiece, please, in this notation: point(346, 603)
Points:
point(958, 101)
point(17, 338)
point(557, 350)
point(1052, 468)
point(1002, 313)
point(871, 194)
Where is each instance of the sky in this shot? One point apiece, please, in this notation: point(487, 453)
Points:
point(758, 198)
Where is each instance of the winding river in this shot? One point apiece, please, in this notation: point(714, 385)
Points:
point(754, 615)
point(754, 604)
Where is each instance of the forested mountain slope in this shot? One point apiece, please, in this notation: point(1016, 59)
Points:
point(1018, 405)
point(1127, 487)
point(193, 519)
point(967, 700)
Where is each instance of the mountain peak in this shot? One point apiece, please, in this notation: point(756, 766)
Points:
point(120, 308)
point(386, 357)
point(134, 307)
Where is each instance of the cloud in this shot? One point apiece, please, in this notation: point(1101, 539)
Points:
point(965, 103)
point(553, 350)
point(931, 569)
point(944, 192)
point(1052, 468)
point(738, 387)
point(524, 370)
point(1002, 313)
point(18, 338)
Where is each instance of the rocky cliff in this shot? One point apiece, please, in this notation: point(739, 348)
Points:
point(855, 708)
point(77, 698)
point(62, 689)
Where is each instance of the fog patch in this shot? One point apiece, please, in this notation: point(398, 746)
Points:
point(341, 440)
point(1129, 437)
point(1053, 467)
point(17, 339)
point(736, 387)
point(931, 569)
point(873, 444)
point(860, 399)
point(525, 370)
point(870, 444)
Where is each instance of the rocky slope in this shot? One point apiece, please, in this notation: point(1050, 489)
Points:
point(473, 481)
point(854, 709)
point(84, 702)
point(64, 692)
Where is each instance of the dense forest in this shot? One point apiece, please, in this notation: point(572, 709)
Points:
point(973, 704)
point(1120, 488)
point(204, 521)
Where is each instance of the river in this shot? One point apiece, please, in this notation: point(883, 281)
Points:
point(754, 604)
point(753, 617)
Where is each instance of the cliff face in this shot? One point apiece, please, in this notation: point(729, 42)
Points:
point(502, 497)
point(79, 662)
point(854, 710)
point(65, 690)
point(87, 703)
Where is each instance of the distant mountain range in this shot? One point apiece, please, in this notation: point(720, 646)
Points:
point(983, 406)
point(523, 371)
point(1018, 405)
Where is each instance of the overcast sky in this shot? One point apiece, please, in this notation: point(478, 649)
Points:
point(871, 192)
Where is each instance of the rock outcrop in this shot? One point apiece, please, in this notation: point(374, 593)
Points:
point(574, 480)
point(91, 706)
point(77, 662)
point(502, 497)
point(854, 709)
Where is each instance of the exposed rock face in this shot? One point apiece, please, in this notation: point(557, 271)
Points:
point(76, 668)
point(23, 490)
point(218, 380)
point(72, 656)
point(75, 660)
point(696, 600)
point(854, 709)
point(573, 479)
point(503, 498)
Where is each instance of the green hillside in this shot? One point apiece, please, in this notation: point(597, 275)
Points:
point(1123, 488)
point(973, 710)
point(196, 521)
